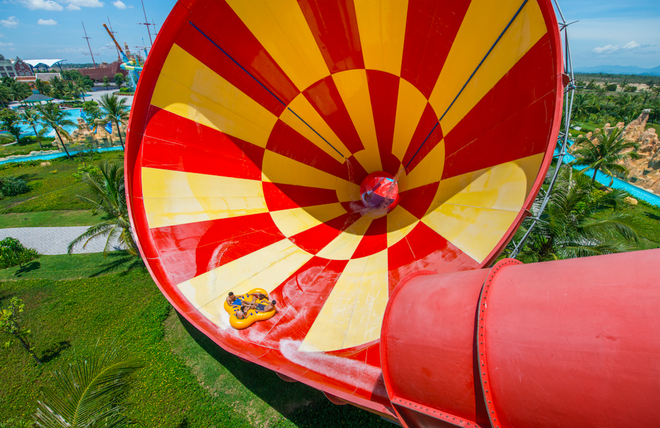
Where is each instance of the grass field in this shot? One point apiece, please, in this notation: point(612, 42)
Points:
point(186, 380)
point(49, 219)
point(52, 187)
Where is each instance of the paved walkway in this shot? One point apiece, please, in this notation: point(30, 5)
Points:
point(54, 240)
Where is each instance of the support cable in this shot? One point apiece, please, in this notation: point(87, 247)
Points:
point(569, 93)
point(469, 78)
point(264, 86)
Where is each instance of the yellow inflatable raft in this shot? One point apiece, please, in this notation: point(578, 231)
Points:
point(253, 315)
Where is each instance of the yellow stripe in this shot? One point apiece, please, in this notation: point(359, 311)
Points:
point(184, 87)
point(399, 223)
point(409, 109)
point(301, 106)
point(428, 170)
point(296, 220)
point(382, 26)
point(266, 268)
point(354, 91)
point(353, 313)
point(281, 169)
point(175, 197)
point(344, 245)
point(281, 28)
point(473, 211)
point(483, 23)
point(475, 231)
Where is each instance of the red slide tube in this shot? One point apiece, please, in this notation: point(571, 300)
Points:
point(572, 343)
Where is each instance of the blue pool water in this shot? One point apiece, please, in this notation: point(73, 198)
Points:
point(604, 179)
point(58, 155)
point(73, 115)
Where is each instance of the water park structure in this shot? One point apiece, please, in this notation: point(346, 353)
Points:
point(363, 164)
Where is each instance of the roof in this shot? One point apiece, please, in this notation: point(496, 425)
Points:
point(99, 73)
point(48, 62)
point(36, 98)
point(47, 76)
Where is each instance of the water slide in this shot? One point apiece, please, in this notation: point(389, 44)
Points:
point(365, 162)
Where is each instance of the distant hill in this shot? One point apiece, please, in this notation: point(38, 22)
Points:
point(619, 69)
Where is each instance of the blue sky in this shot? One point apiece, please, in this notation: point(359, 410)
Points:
point(609, 32)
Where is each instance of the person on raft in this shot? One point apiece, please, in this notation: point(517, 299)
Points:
point(231, 298)
point(268, 307)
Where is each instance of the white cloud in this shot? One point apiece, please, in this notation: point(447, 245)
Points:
point(77, 4)
point(631, 45)
point(11, 22)
point(41, 4)
point(119, 4)
point(46, 22)
point(606, 49)
point(6, 44)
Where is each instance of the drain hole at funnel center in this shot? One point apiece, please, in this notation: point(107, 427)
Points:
point(379, 190)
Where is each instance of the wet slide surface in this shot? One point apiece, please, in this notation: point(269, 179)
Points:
point(254, 126)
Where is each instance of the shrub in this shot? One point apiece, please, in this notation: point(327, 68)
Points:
point(630, 88)
point(13, 253)
point(611, 87)
point(12, 186)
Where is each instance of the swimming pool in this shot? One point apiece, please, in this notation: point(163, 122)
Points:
point(604, 179)
point(58, 155)
point(73, 115)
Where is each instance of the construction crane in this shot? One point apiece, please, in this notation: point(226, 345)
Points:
point(128, 65)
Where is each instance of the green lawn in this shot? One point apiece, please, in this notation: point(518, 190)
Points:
point(49, 219)
point(25, 148)
point(186, 380)
point(52, 187)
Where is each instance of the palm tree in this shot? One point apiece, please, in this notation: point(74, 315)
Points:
point(89, 393)
point(604, 151)
point(109, 197)
point(42, 86)
point(579, 105)
point(56, 119)
point(116, 111)
point(579, 222)
point(30, 118)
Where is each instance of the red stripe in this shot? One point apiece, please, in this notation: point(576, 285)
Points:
point(233, 36)
point(384, 94)
point(512, 121)
point(301, 297)
point(436, 252)
point(318, 237)
point(327, 101)
point(288, 142)
point(287, 196)
point(335, 29)
point(401, 263)
point(179, 144)
point(374, 240)
point(194, 42)
point(189, 250)
point(421, 139)
point(418, 200)
point(431, 27)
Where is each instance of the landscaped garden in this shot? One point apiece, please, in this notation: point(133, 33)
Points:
point(77, 304)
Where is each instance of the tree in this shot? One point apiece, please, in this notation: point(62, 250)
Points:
point(604, 152)
point(119, 79)
point(110, 197)
point(92, 112)
point(13, 253)
point(580, 221)
point(10, 323)
point(56, 119)
point(30, 118)
point(89, 393)
point(10, 121)
point(116, 111)
point(106, 81)
point(56, 87)
point(42, 86)
point(580, 102)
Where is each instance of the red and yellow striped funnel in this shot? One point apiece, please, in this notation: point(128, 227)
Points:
point(256, 123)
